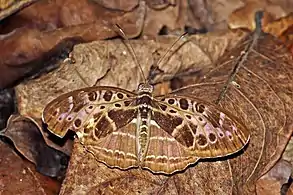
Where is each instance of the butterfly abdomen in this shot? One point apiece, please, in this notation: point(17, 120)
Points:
point(144, 117)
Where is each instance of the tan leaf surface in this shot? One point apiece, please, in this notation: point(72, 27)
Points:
point(261, 95)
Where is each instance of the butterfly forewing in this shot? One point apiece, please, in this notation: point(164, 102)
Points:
point(76, 109)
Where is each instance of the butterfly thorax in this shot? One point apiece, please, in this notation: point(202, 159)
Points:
point(144, 115)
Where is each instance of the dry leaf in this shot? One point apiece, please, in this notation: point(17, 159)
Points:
point(19, 176)
point(288, 153)
point(260, 95)
point(29, 141)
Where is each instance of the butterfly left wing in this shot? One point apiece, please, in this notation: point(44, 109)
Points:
point(102, 118)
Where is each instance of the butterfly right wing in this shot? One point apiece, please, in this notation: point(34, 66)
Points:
point(102, 119)
point(185, 129)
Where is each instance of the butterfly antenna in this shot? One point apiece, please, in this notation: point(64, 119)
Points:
point(169, 50)
point(132, 51)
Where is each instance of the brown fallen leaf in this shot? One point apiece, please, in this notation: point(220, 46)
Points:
point(278, 25)
point(28, 140)
point(260, 93)
point(20, 177)
point(288, 157)
point(44, 29)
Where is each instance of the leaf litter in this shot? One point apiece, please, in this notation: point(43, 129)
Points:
point(204, 171)
point(254, 99)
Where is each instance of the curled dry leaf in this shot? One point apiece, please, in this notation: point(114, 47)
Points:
point(93, 61)
point(28, 140)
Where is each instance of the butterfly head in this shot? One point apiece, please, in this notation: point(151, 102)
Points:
point(145, 88)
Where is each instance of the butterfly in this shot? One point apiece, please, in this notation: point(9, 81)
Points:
point(163, 134)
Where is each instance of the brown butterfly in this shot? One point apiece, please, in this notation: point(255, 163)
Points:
point(164, 134)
